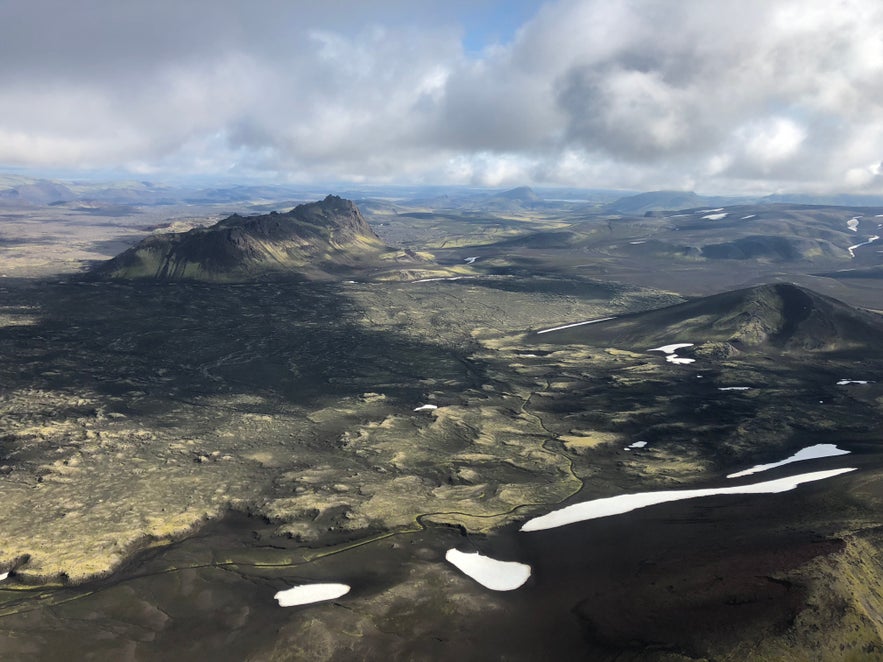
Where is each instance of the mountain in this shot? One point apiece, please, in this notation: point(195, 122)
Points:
point(774, 248)
point(22, 191)
point(520, 194)
point(833, 199)
point(656, 201)
point(780, 315)
point(319, 240)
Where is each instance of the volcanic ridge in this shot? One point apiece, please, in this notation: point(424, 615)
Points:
point(780, 315)
point(323, 240)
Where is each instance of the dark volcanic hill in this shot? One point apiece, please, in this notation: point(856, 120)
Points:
point(655, 200)
point(318, 240)
point(521, 193)
point(779, 315)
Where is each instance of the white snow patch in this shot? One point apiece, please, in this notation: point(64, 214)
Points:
point(671, 349)
point(434, 280)
point(851, 249)
point(625, 503)
point(569, 326)
point(490, 573)
point(636, 243)
point(637, 444)
point(4, 576)
point(733, 388)
point(852, 223)
point(745, 218)
point(808, 453)
point(470, 260)
point(715, 217)
point(670, 355)
point(707, 211)
point(426, 407)
point(844, 382)
point(310, 593)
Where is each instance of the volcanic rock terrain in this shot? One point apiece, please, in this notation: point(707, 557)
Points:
point(321, 240)
point(781, 315)
point(218, 414)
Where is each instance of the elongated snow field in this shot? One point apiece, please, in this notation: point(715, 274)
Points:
point(446, 278)
point(310, 593)
point(490, 573)
point(808, 453)
point(851, 249)
point(570, 326)
point(625, 503)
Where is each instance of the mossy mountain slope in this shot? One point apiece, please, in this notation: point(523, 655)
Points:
point(780, 315)
point(319, 240)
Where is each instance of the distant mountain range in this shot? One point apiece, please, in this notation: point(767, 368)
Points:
point(25, 191)
point(17, 190)
point(653, 201)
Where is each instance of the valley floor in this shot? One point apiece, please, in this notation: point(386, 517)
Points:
point(173, 454)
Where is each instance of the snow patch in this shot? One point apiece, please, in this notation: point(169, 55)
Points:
point(852, 223)
point(808, 453)
point(745, 218)
point(625, 503)
point(637, 444)
point(851, 249)
point(844, 382)
point(310, 593)
point(733, 388)
point(715, 217)
point(570, 326)
point(671, 349)
point(490, 573)
point(425, 407)
point(670, 355)
point(435, 280)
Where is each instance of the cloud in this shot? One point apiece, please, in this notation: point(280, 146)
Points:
point(641, 93)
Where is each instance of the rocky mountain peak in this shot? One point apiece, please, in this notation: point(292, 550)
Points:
point(311, 238)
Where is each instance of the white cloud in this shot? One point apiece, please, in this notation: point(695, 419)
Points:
point(771, 141)
point(646, 93)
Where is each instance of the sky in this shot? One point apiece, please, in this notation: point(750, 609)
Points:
point(740, 96)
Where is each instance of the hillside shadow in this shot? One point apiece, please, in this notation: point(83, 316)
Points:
point(288, 341)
